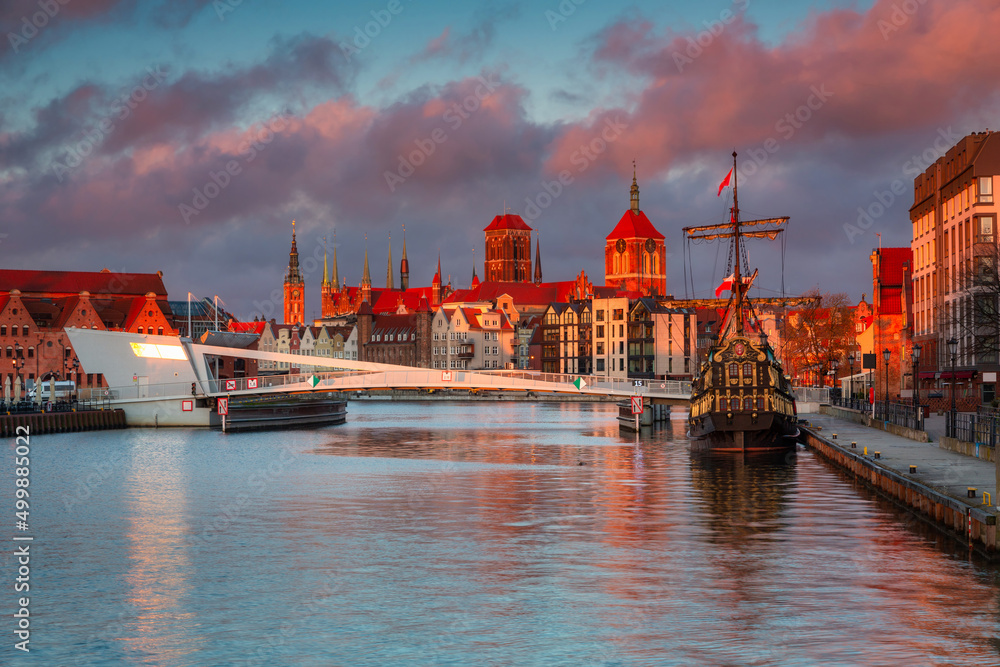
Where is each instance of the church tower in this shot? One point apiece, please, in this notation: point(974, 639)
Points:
point(295, 287)
point(508, 249)
point(635, 253)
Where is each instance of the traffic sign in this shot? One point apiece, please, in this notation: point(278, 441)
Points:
point(313, 380)
point(230, 385)
point(579, 383)
point(223, 406)
point(251, 383)
point(446, 376)
point(637, 405)
point(187, 406)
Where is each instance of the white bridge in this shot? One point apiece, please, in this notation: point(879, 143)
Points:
point(158, 379)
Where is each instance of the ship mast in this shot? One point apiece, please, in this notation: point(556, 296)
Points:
point(738, 280)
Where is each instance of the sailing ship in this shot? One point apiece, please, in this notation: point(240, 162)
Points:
point(741, 400)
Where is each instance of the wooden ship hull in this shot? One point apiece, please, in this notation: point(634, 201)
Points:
point(742, 402)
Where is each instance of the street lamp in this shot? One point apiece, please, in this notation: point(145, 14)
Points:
point(886, 353)
point(850, 358)
point(916, 379)
point(953, 348)
point(833, 365)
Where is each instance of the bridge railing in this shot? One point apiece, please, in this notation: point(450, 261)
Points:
point(409, 378)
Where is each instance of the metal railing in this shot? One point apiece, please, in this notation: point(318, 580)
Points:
point(812, 394)
point(860, 404)
point(900, 414)
point(979, 429)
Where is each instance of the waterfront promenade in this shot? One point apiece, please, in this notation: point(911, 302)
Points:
point(942, 472)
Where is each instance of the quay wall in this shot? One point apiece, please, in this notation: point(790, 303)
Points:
point(865, 419)
point(61, 422)
point(970, 524)
point(968, 448)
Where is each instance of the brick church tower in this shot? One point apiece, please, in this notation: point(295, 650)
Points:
point(295, 287)
point(508, 250)
point(634, 252)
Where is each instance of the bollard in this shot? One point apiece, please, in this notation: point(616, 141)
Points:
point(970, 491)
point(913, 470)
point(987, 498)
point(834, 436)
point(866, 450)
point(878, 455)
point(854, 445)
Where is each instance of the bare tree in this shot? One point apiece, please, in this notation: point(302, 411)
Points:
point(818, 333)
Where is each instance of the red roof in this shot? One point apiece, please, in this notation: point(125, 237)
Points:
point(891, 264)
point(634, 225)
point(508, 221)
point(247, 327)
point(522, 293)
point(387, 301)
point(66, 283)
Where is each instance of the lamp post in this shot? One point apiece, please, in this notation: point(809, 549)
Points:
point(833, 369)
point(850, 359)
point(953, 348)
point(916, 380)
point(886, 353)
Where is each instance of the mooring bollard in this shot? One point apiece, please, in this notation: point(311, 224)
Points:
point(834, 436)
point(854, 445)
point(987, 498)
point(866, 450)
point(913, 470)
point(878, 455)
point(970, 491)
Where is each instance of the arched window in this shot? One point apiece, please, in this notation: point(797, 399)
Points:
point(617, 263)
point(31, 353)
point(3, 329)
point(159, 330)
point(656, 262)
point(140, 329)
point(25, 329)
point(626, 266)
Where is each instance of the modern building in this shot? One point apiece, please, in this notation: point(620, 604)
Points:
point(567, 338)
point(955, 286)
point(662, 341)
point(610, 336)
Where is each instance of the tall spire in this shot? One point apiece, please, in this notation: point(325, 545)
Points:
point(326, 274)
point(366, 278)
point(475, 278)
point(538, 263)
point(388, 267)
point(334, 275)
point(293, 275)
point(404, 266)
point(634, 191)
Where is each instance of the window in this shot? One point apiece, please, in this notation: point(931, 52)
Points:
point(600, 315)
point(619, 314)
point(621, 364)
point(600, 330)
point(3, 329)
point(31, 353)
point(159, 331)
point(748, 370)
point(24, 329)
point(748, 403)
point(985, 230)
point(621, 347)
point(985, 190)
point(734, 370)
point(140, 329)
point(600, 364)
point(600, 349)
point(760, 403)
point(435, 334)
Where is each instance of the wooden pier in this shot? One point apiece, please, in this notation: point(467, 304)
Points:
point(61, 422)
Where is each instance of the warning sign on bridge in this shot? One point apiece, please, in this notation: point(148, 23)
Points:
point(230, 385)
point(223, 406)
point(251, 383)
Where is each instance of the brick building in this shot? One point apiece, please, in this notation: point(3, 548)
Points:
point(36, 307)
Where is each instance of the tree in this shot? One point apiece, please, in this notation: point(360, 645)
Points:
point(817, 334)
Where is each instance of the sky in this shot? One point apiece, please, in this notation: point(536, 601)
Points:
point(185, 135)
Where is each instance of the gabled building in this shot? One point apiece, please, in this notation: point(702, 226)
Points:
point(567, 338)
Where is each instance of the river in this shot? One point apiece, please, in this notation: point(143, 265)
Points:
point(475, 534)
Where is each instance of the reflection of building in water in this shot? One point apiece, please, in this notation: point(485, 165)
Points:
point(159, 574)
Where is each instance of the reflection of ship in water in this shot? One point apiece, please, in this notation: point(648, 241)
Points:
point(743, 496)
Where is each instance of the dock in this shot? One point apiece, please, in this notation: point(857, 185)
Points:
point(952, 491)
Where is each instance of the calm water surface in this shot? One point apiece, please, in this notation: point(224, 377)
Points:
point(476, 534)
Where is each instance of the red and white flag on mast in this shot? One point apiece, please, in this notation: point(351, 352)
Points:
point(725, 182)
point(728, 283)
